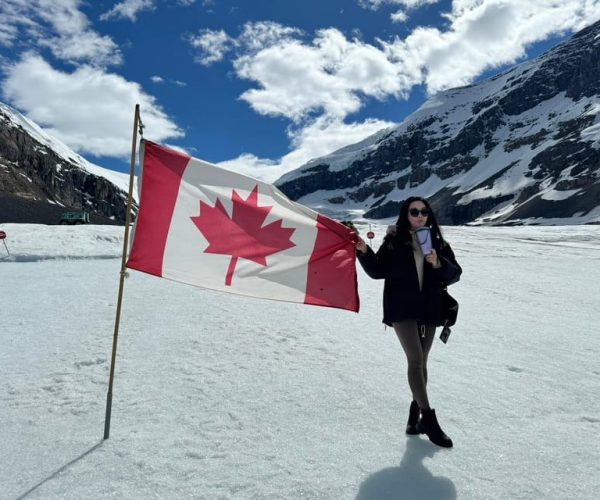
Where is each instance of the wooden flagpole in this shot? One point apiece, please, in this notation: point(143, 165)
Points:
point(136, 124)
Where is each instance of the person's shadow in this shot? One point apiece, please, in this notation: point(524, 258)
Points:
point(410, 480)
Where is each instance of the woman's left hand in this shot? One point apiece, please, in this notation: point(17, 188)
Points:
point(432, 258)
point(361, 246)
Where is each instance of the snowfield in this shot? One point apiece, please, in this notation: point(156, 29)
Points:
point(218, 396)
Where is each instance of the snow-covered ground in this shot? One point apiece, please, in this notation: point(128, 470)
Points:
point(224, 397)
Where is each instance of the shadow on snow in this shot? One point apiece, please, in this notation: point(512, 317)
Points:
point(57, 472)
point(410, 480)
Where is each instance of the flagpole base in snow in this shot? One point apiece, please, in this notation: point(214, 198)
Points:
point(107, 417)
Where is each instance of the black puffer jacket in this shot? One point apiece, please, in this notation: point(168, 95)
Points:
point(402, 299)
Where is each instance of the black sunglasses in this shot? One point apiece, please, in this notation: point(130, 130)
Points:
point(414, 212)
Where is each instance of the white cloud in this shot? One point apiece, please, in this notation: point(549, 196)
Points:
point(253, 166)
point(332, 75)
point(90, 110)
point(415, 4)
point(371, 4)
point(326, 135)
point(407, 4)
point(11, 20)
point(128, 9)
point(212, 44)
point(398, 17)
point(160, 80)
point(329, 75)
point(85, 47)
point(320, 137)
point(260, 35)
point(59, 26)
point(482, 35)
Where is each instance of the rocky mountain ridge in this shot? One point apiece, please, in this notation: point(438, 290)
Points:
point(40, 177)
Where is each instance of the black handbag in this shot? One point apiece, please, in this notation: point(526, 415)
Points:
point(451, 271)
point(449, 308)
point(447, 305)
point(448, 312)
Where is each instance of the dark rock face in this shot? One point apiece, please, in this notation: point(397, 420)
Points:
point(495, 153)
point(37, 184)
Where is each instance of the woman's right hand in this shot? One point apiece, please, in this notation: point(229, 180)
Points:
point(361, 246)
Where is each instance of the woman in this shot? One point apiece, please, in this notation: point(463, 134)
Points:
point(411, 303)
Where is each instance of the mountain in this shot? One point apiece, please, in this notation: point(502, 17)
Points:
point(40, 177)
point(522, 147)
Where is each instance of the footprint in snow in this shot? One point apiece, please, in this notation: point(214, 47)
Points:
point(590, 419)
point(514, 369)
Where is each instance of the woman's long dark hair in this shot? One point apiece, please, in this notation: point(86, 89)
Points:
point(403, 226)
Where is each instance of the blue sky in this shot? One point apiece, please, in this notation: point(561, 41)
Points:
point(257, 86)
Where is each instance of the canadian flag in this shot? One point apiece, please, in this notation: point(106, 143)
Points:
point(206, 226)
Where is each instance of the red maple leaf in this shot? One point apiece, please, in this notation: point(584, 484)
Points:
point(242, 234)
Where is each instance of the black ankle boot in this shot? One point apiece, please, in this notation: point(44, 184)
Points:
point(429, 425)
point(413, 419)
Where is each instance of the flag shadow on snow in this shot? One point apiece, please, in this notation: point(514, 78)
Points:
point(57, 472)
point(410, 480)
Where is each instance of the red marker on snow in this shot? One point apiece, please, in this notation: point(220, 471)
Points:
point(3, 237)
point(370, 235)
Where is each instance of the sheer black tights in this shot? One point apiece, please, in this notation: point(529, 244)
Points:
point(417, 350)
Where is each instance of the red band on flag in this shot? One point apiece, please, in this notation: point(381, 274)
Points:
point(162, 172)
point(332, 263)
